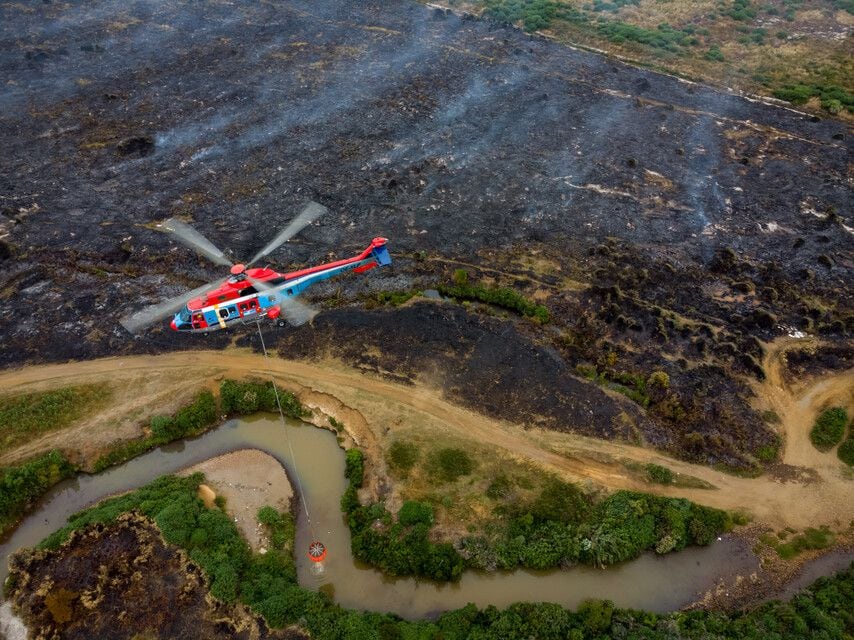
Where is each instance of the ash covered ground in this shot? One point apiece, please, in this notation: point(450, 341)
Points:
point(672, 225)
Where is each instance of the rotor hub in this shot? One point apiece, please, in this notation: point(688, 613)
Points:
point(238, 269)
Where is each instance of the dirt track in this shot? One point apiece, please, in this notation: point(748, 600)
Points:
point(819, 496)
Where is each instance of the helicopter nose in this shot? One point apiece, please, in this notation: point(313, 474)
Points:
point(173, 325)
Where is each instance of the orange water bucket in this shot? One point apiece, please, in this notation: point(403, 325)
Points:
point(317, 551)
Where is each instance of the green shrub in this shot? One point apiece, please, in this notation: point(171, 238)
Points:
point(829, 428)
point(846, 452)
point(714, 54)
point(280, 527)
point(413, 512)
point(243, 398)
point(402, 455)
point(560, 502)
point(449, 463)
point(22, 485)
point(335, 424)
point(354, 467)
point(657, 473)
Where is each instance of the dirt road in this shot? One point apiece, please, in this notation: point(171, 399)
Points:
point(820, 495)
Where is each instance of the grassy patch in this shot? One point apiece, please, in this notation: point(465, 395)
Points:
point(26, 417)
point(449, 464)
point(789, 547)
point(402, 455)
point(498, 296)
point(658, 474)
point(22, 485)
point(829, 428)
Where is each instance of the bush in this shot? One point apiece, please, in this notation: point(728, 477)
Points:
point(354, 467)
point(22, 485)
point(402, 455)
point(845, 452)
point(449, 464)
point(280, 527)
point(714, 54)
point(243, 398)
point(413, 512)
point(657, 473)
point(560, 502)
point(829, 428)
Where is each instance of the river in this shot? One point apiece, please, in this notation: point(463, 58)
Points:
point(651, 582)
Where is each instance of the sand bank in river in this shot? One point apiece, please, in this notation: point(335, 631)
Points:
point(248, 479)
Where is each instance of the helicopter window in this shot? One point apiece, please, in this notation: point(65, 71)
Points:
point(223, 313)
point(290, 292)
point(184, 315)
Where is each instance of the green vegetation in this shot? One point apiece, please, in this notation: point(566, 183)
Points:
point(402, 456)
point(450, 463)
point(187, 421)
point(397, 548)
point(810, 539)
point(498, 296)
point(335, 424)
point(846, 451)
point(280, 527)
point(829, 428)
point(25, 417)
point(413, 512)
point(391, 298)
point(267, 584)
point(658, 474)
point(619, 528)
point(22, 485)
point(663, 37)
point(243, 398)
point(236, 398)
point(632, 385)
point(832, 97)
point(557, 525)
point(533, 14)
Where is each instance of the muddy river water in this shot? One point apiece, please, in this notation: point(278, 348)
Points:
point(650, 582)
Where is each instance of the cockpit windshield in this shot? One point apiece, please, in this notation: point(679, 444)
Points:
point(184, 315)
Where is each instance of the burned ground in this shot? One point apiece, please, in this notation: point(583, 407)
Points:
point(122, 581)
point(687, 225)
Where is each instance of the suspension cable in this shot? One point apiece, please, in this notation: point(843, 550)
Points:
point(303, 495)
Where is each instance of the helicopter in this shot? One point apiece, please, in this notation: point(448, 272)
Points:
point(250, 293)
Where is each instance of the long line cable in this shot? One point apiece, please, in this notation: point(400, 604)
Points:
point(302, 493)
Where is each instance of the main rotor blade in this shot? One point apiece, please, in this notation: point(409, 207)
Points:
point(196, 241)
point(309, 213)
point(144, 317)
point(295, 311)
